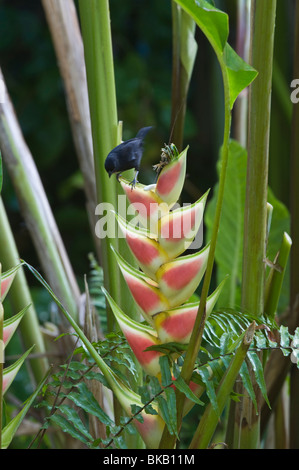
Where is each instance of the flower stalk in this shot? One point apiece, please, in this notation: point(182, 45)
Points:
point(255, 225)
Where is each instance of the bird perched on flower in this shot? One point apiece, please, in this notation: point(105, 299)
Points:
point(127, 156)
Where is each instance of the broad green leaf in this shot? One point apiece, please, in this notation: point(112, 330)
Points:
point(229, 249)
point(228, 255)
point(213, 22)
point(189, 44)
point(240, 74)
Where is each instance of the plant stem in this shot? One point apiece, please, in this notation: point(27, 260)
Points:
point(255, 225)
point(35, 208)
point(294, 291)
point(183, 57)
point(1, 360)
point(95, 22)
point(242, 49)
point(210, 418)
point(67, 40)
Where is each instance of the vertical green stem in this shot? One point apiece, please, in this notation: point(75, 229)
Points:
point(255, 224)
point(183, 57)
point(95, 23)
point(210, 418)
point(35, 207)
point(242, 49)
point(96, 33)
point(294, 293)
point(1, 360)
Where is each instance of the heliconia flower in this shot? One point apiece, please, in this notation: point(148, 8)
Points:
point(177, 324)
point(177, 229)
point(144, 290)
point(171, 179)
point(149, 207)
point(147, 251)
point(179, 278)
point(6, 280)
point(165, 282)
point(10, 372)
point(139, 337)
point(10, 325)
point(152, 203)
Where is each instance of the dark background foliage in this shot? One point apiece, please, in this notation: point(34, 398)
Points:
point(143, 60)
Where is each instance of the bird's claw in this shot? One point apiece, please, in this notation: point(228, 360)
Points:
point(133, 183)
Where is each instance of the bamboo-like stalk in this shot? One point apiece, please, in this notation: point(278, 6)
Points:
point(96, 33)
point(183, 58)
point(210, 418)
point(95, 25)
point(20, 298)
point(1, 361)
point(67, 40)
point(255, 224)
point(35, 207)
point(242, 49)
point(294, 290)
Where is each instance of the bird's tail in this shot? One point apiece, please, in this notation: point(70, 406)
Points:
point(143, 131)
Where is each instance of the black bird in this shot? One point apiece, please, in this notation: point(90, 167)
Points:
point(126, 156)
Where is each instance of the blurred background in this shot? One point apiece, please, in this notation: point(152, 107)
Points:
point(142, 44)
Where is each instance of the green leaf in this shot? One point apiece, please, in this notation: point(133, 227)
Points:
point(213, 22)
point(284, 340)
point(11, 428)
point(181, 385)
point(240, 74)
point(67, 427)
point(229, 249)
point(247, 382)
point(84, 399)
point(228, 255)
point(208, 381)
point(165, 371)
point(72, 416)
point(259, 374)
